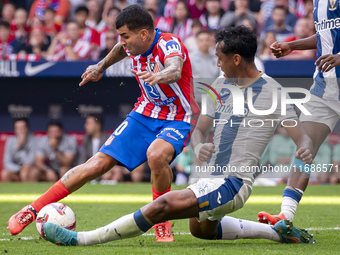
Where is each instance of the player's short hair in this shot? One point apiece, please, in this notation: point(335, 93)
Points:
point(82, 8)
point(21, 119)
point(135, 17)
point(98, 118)
point(238, 40)
point(55, 123)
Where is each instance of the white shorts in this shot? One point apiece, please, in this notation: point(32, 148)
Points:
point(323, 111)
point(217, 196)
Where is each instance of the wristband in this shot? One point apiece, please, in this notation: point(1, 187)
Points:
point(198, 148)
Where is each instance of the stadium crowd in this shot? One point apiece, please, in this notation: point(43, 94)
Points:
point(85, 29)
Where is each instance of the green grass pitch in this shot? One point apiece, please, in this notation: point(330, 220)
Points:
point(97, 205)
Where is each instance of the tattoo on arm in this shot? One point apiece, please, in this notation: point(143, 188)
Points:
point(172, 71)
point(115, 55)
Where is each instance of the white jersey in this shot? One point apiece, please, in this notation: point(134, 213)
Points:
point(326, 15)
point(241, 139)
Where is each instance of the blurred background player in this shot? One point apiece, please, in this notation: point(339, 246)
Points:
point(55, 153)
point(19, 155)
point(157, 128)
point(324, 104)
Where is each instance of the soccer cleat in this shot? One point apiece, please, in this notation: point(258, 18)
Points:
point(163, 232)
point(267, 218)
point(291, 234)
point(59, 235)
point(21, 219)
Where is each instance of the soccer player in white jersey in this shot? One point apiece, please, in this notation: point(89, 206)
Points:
point(325, 102)
point(209, 200)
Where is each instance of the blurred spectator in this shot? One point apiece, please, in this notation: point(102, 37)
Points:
point(19, 27)
point(169, 9)
point(196, 8)
point(69, 46)
point(266, 53)
point(61, 7)
point(151, 5)
point(184, 162)
point(249, 24)
point(5, 40)
point(304, 8)
point(302, 30)
point(88, 34)
point(211, 18)
point(121, 4)
point(203, 62)
point(335, 174)
point(19, 155)
point(110, 42)
point(38, 44)
point(110, 22)
point(181, 24)
point(290, 17)
point(191, 41)
point(51, 27)
point(94, 14)
point(55, 153)
point(234, 18)
point(281, 30)
point(322, 159)
point(254, 6)
point(8, 12)
point(95, 137)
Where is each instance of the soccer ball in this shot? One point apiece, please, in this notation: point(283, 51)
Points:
point(56, 213)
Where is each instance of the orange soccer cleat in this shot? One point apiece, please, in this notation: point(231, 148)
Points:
point(267, 218)
point(21, 219)
point(163, 232)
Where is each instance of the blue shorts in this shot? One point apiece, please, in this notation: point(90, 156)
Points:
point(130, 141)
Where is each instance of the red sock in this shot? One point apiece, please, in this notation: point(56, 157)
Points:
point(53, 194)
point(156, 194)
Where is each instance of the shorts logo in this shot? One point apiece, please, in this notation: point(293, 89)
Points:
point(109, 140)
point(172, 47)
point(171, 136)
point(219, 198)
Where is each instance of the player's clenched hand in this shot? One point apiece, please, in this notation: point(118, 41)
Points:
point(327, 62)
point(305, 155)
point(280, 49)
point(91, 74)
point(148, 77)
point(205, 152)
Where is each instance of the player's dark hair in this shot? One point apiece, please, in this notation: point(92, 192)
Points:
point(135, 17)
point(238, 40)
point(55, 123)
point(82, 8)
point(98, 118)
point(22, 119)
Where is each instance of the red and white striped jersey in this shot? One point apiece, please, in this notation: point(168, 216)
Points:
point(81, 48)
point(173, 101)
point(91, 35)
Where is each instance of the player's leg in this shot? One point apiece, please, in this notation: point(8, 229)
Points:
point(70, 182)
point(173, 205)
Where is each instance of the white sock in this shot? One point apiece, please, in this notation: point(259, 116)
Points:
point(124, 227)
point(289, 205)
point(233, 228)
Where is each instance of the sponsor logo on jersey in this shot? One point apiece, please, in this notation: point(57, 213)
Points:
point(109, 140)
point(332, 5)
point(168, 134)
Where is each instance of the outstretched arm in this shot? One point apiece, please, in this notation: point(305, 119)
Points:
point(281, 49)
point(170, 74)
point(95, 72)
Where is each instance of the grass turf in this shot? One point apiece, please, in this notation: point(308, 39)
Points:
point(319, 215)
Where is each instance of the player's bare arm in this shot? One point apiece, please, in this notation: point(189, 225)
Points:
point(201, 147)
point(327, 62)
point(95, 72)
point(303, 142)
point(281, 49)
point(171, 73)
